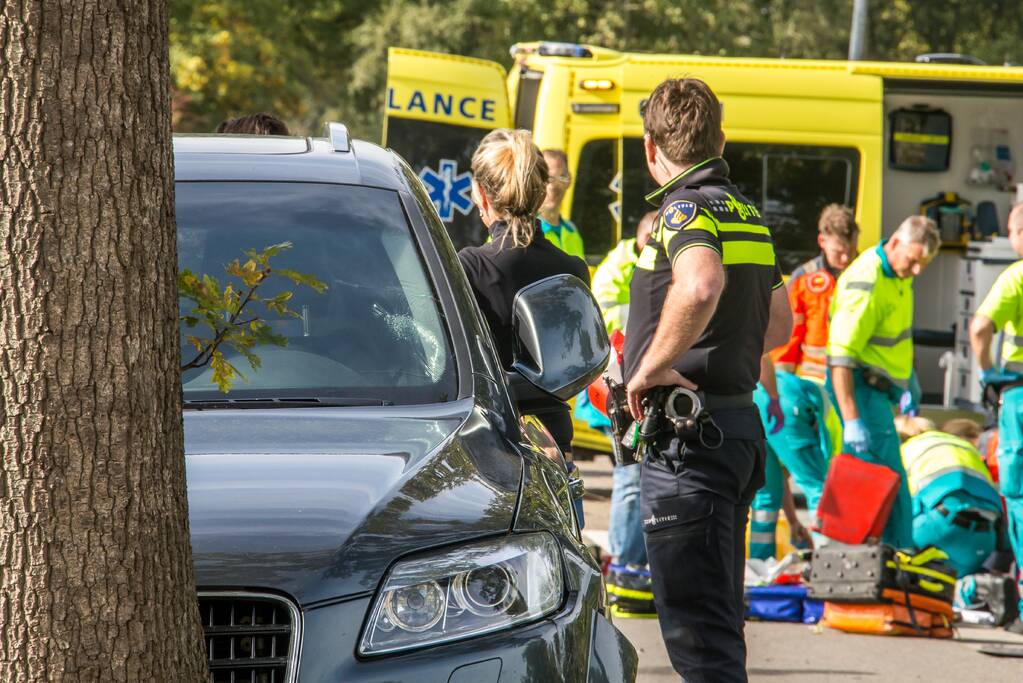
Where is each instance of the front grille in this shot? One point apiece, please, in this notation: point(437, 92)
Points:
point(250, 637)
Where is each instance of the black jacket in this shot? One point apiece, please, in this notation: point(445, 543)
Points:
point(497, 271)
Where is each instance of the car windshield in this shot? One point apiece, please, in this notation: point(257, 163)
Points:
point(375, 334)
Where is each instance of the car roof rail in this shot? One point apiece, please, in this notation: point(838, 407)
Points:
point(338, 135)
point(949, 58)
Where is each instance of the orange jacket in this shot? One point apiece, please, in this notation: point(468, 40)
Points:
point(810, 288)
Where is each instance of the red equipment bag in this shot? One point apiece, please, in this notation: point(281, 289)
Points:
point(598, 390)
point(857, 500)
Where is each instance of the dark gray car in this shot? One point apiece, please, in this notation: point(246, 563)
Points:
point(369, 505)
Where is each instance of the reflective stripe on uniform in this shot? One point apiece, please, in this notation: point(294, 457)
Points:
point(761, 537)
point(864, 286)
point(744, 252)
point(765, 515)
point(924, 481)
point(891, 341)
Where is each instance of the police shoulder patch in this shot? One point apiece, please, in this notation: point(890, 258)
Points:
point(678, 214)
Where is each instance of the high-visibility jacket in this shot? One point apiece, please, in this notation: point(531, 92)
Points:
point(565, 236)
point(610, 285)
point(938, 463)
point(872, 319)
point(810, 289)
point(1003, 306)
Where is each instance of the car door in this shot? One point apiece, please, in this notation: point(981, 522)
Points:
point(437, 109)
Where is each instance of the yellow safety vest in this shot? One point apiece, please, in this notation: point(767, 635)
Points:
point(872, 319)
point(1003, 306)
point(611, 281)
point(930, 455)
point(564, 236)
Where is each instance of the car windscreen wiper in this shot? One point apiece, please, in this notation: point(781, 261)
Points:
point(288, 402)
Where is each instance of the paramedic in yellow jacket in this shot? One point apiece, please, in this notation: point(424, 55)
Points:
point(1002, 309)
point(558, 229)
point(956, 505)
point(611, 280)
point(870, 352)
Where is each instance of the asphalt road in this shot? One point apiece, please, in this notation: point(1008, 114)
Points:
point(794, 653)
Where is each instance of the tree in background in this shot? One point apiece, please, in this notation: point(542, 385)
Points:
point(97, 581)
point(314, 59)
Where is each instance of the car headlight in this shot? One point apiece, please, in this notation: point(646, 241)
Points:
point(465, 591)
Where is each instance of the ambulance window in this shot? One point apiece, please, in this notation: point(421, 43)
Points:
point(593, 200)
point(525, 98)
point(636, 185)
point(791, 184)
point(440, 153)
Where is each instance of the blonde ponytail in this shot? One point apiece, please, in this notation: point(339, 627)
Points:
point(512, 172)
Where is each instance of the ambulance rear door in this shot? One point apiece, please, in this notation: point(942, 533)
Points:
point(437, 109)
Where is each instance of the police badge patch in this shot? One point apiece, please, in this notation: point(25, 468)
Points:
point(679, 214)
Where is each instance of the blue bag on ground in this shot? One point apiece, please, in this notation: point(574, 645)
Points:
point(775, 603)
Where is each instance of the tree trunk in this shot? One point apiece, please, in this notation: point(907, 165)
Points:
point(96, 579)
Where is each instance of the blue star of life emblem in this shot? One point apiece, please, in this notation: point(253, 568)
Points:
point(448, 189)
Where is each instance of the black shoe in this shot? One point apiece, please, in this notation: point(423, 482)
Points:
point(1015, 626)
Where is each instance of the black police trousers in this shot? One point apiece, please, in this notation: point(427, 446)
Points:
point(695, 503)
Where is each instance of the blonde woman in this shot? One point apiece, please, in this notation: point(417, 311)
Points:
point(509, 184)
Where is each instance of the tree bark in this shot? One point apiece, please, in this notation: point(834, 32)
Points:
point(96, 578)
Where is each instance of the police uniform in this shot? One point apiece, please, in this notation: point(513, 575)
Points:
point(695, 499)
point(871, 333)
point(956, 506)
point(1003, 306)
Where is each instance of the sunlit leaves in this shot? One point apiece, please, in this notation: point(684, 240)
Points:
point(234, 315)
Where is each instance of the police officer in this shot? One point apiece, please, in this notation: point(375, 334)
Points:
point(1002, 309)
point(706, 295)
point(870, 352)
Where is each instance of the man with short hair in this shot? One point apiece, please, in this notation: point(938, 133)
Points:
point(870, 352)
point(707, 296)
point(811, 287)
point(559, 230)
point(809, 430)
point(1002, 309)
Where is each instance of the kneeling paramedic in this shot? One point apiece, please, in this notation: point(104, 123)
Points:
point(956, 506)
point(706, 291)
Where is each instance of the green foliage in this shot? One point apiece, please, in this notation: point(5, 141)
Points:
point(226, 312)
point(308, 60)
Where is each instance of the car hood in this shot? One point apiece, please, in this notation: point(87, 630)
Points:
point(318, 502)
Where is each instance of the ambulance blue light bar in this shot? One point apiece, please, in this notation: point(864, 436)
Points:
point(551, 49)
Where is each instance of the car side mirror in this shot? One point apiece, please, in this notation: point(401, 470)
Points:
point(560, 343)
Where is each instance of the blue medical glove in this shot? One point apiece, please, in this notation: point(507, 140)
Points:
point(997, 376)
point(775, 413)
point(855, 436)
point(907, 404)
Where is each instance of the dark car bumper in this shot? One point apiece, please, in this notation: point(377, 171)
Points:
point(575, 644)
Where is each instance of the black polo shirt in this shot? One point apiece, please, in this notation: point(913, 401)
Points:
point(701, 208)
point(497, 271)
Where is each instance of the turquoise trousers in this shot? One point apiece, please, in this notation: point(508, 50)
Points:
point(1010, 468)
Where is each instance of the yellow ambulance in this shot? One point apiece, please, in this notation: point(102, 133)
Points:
point(884, 138)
